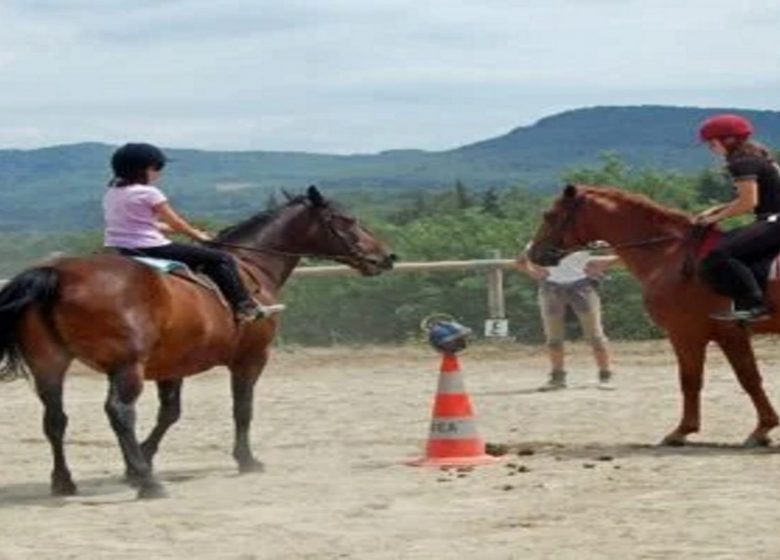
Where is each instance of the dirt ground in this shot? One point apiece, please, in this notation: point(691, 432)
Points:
point(334, 428)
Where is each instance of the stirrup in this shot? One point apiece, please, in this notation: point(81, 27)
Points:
point(273, 309)
point(758, 313)
point(258, 311)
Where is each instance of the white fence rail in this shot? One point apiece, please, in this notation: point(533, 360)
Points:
point(494, 267)
point(495, 324)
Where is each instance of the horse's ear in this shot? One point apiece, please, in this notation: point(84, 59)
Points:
point(570, 191)
point(315, 196)
point(287, 195)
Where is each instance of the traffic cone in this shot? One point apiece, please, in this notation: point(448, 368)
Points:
point(453, 439)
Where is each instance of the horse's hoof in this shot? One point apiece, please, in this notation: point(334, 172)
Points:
point(152, 491)
point(252, 466)
point(673, 440)
point(64, 487)
point(754, 441)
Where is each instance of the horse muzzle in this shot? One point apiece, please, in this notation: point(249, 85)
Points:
point(377, 265)
point(371, 265)
point(546, 256)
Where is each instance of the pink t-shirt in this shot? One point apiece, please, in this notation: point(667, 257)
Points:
point(130, 218)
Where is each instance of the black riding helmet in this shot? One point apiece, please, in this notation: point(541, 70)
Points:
point(131, 161)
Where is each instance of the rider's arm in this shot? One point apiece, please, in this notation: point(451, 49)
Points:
point(744, 203)
point(168, 216)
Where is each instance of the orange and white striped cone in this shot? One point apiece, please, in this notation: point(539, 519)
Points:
point(453, 439)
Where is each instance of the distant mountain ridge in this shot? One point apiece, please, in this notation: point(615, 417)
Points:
point(59, 187)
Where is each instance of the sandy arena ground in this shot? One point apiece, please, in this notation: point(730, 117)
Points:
point(334, 427)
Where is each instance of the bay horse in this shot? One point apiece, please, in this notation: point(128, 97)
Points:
point(130, 322)
point(658, 246)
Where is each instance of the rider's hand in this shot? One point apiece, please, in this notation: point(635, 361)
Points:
point(200, 235)
point(704, 219)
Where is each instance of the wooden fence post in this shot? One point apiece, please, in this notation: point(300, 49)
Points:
point(496, 325)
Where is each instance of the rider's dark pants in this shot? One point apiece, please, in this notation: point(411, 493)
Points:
point(217, 265)
point(732, 266)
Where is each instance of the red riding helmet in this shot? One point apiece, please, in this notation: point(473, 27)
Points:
point(722, 126)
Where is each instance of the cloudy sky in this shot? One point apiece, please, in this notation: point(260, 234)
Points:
point(346, 76)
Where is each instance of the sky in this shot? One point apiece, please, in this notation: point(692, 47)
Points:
point(362, 76)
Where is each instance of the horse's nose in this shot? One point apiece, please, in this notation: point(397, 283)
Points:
point(547, 257)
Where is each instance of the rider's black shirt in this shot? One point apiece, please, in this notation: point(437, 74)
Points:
point(766, 173)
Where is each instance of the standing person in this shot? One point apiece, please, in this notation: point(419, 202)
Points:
point(737, 267)
point(137, 214)
point(571, 284)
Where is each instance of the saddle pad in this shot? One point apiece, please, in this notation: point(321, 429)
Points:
point(163, 265)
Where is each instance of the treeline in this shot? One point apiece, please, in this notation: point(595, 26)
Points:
point(465, 223)
point(462, 222)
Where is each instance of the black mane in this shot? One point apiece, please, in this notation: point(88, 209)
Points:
point(258, 221)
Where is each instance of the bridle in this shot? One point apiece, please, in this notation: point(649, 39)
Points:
point(326, 217)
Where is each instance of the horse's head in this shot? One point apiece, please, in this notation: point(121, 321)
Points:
point(322, 229)
point(561, 231)
point(334, 234)
point(310, 226)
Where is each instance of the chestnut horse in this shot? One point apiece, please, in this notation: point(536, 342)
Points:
point(130, 322)
point(658, 245)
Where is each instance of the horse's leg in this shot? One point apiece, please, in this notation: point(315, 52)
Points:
point(55, 421)
point(739, 352)
point(690, 363)
point(169, 394)
point(243, 384)
point(125, 385)
point(48, 361)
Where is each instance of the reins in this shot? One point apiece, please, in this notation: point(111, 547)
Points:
point(645, 242)
point(350, 252)
point(255, 249)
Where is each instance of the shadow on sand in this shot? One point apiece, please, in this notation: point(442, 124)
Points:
point(97, 490)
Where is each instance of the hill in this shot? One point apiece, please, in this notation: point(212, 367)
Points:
point(59, 188)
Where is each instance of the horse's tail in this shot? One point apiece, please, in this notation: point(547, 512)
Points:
point(33, 286)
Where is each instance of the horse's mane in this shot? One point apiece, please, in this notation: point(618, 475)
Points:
point(258, 221)
point(646, 207)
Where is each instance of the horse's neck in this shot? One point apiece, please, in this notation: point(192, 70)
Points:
point(275, 268)
point(645, 246)
point(272, 255)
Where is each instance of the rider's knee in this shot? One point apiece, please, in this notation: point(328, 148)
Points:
point(709, 265)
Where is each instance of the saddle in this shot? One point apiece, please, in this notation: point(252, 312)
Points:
point(181, 270)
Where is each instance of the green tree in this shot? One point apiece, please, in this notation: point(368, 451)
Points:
point(462, 196)
point(491, 203)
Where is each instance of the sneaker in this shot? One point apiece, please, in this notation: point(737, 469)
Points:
point(605, 380)
point(758, 313)
point(556, 382)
